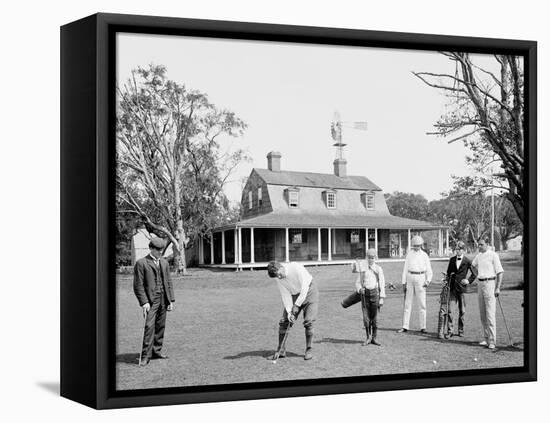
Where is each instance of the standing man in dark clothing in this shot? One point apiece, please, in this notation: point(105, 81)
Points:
point(155, 294)
point(457, 272)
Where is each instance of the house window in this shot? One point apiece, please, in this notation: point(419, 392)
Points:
point(249, 199)
point(367, 198)
point(293, 199)
point(296, 236)
point(354, 238)
point(370, 200)
point(259, 196)
point(331, 200)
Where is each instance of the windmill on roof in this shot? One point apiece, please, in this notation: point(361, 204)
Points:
point(336, 127)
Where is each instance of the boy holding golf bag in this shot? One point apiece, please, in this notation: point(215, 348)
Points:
point(299, 293)
point(453, 292)
point(370, 291)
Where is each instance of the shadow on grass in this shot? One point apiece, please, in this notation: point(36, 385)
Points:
point(128, 358)
point(338, 341)
point(258, 353)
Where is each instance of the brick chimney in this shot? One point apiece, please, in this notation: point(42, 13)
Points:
point(340, 168)
point(274, 161)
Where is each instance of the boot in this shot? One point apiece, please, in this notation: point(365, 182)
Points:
point(368, 332)
point(308, 355)
point(374, 334)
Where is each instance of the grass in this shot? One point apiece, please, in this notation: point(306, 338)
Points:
point(226, 323)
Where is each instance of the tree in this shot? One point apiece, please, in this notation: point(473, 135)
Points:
point(171, 167)
point(507, 224)
point(404, 204)
point(486, 111)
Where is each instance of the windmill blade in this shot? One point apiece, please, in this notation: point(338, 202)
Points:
point(362, 126)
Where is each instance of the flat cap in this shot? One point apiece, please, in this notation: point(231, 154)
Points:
point(157, 243)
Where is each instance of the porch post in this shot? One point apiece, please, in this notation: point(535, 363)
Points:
point(329, 244)
point(318, 244)
point(251, 245)
point(400, 246)
point(447, 243)
point(223, 247)
point(240, 246)
point(236, 246)
point(201, 250)
point(211, 248)
point(376, 241)
point(286, 246)
point(408, 240)
point(366, 241)
point(440, 239)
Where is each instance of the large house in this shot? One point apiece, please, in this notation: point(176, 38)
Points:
point(314, 218)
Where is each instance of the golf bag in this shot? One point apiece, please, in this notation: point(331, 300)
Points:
point(444, 311)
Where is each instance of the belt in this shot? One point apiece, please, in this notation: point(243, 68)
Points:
point(486, 279)
point(417, 273)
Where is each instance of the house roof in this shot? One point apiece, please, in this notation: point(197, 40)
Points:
point(278, 220)
point(316, 180)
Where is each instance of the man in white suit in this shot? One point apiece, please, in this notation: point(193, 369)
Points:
point(417, 275)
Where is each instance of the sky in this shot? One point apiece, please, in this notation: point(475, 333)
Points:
point(287, 94)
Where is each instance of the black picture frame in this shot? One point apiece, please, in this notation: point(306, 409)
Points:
point(87, 203)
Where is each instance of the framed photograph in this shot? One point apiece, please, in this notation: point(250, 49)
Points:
point(258, 211)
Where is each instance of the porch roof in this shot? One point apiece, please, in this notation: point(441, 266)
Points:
point(277, 220)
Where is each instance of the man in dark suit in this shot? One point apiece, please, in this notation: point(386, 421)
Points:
point(155, 294)
point(457, 271)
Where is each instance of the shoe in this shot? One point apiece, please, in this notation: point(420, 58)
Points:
point(483, 343)
point(447, 336)
point(308, 355)
point(144, 362)
point(367, 342)
point(402, 330)
point(440, 336)
point(159, 356)
point(423, 330)
point(375, 342)
point(491, 346)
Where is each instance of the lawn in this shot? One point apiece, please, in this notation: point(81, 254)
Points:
point(225, 324)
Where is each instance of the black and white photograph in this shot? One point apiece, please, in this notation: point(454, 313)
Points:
point(294, 211)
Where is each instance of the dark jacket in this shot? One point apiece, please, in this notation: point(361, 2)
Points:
point(145, 280)
point(460, 273)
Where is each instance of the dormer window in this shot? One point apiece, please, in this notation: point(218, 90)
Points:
point(367, 198)
point(259, 196)
point(293, 197)
point(330, 199)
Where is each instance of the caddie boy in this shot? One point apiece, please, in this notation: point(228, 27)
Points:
point(155, 294)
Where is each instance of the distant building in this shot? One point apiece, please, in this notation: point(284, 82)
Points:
point(140, 245)
point(314, 218)
point(514, 244)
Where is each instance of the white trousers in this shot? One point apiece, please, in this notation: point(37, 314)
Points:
point(487, 310)
point(415, 290)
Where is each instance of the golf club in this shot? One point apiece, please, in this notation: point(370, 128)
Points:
point(505, 324)
point(283, 344)
point(142, 338)
point(447, 312)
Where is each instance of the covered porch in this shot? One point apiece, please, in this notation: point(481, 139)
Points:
point(240, 247)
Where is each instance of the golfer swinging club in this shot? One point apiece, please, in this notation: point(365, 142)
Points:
point(298, 292)
point(369, 284)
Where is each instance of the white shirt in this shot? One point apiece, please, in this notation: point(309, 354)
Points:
point(370, 277)
point(487, 265)
point(417, 261)
point(296, 281)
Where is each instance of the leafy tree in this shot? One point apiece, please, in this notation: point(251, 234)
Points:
point(405, 204)
point(486, 112)
point(171, 164)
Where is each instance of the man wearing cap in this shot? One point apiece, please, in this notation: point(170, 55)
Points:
point(489, 273)
point(155, 294)
point(417, 275)
point(299, 293)
point(370, 283)
point(457, 272)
